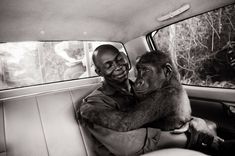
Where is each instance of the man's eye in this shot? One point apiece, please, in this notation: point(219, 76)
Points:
point(119, 59)
point(107, 65)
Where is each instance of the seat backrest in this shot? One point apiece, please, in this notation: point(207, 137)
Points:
point(43, 125)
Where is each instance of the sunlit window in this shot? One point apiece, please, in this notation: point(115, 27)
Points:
point(31, 63)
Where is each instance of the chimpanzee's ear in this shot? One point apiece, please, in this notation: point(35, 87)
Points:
point(167, 70)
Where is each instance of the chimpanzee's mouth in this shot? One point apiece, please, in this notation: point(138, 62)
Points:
point(140, 91)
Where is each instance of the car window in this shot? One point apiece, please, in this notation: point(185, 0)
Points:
point(203, 47)
point(31, 63)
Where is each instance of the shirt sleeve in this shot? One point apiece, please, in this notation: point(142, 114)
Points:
point(94, 102)
point(134, 142)
point(101, 110)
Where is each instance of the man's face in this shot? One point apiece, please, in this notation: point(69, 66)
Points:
point(113, 66)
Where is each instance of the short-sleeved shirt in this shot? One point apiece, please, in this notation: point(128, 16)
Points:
point(134, 142)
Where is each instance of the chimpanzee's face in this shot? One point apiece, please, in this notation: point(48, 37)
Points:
point(149, 78)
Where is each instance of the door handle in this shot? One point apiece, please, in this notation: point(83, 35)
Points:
point(230, 108)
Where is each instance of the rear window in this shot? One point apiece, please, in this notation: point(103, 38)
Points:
point(203, 47)
point(30, 63)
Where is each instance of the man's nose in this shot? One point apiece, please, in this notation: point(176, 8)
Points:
point(117, 66)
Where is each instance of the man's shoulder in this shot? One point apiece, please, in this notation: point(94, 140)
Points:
point(105, 90)
point(98, 96)
point(97, 93)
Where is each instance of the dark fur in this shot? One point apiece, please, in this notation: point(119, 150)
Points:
point(169, 103)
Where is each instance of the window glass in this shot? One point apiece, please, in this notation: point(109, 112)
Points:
point(30, 63)
point(203, 47)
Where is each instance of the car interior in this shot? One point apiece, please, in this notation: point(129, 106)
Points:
point(38, 102)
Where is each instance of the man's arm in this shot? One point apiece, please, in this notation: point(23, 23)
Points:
point(136, 142)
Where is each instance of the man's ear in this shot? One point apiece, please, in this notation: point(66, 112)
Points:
point(98, 72)
point(137, 59)
point(167, 70)
point(126, 59)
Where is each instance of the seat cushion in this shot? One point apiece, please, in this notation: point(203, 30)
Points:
point(175, 152)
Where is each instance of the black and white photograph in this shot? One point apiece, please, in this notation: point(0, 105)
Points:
point(117, 78)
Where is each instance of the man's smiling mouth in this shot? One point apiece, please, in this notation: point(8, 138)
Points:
point(122, 74)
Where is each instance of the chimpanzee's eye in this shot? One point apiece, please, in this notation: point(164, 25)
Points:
point(146, 69)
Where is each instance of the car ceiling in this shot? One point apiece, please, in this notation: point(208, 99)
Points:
point(109, 20)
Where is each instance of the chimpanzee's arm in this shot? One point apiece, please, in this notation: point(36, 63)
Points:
point(144, 112)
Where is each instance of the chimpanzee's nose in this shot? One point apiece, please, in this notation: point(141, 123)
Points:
point(139, 83)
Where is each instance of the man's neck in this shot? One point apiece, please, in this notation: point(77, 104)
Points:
point(125, 85)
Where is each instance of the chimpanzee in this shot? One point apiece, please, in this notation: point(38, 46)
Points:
point(158, 86)
point(219, 66)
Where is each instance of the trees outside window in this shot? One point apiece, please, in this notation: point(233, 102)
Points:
point(203, 47)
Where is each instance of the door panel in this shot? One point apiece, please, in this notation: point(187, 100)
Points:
point(212, 104)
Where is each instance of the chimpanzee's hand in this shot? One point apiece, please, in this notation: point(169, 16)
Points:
point(198, 125)
point(201, 137)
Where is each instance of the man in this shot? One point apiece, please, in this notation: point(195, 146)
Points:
point(105, 112)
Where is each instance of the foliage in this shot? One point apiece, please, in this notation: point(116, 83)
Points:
point(191, 42)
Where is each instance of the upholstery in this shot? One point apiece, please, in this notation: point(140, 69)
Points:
point(24, 134)
point(43, 125)
point(174, 152)
point(2, 133)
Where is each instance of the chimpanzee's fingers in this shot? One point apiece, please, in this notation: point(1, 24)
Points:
point(182, 129)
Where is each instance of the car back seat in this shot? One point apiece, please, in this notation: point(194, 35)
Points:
point(44, 125)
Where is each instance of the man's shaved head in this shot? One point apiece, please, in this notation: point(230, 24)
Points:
point(102, 49)
point(110, 63)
